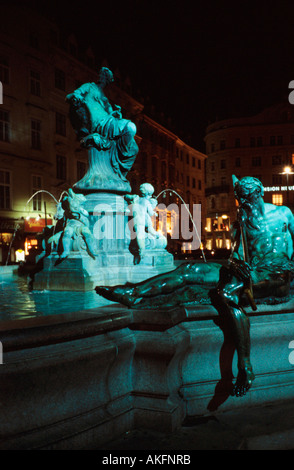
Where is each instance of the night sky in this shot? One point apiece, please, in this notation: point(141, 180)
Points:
point(195, 61)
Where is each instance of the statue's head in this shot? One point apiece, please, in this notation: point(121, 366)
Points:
point(146, 189)
point(105, 77)
point(247, 190)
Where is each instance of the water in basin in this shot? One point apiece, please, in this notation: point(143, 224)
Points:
point(17, 301)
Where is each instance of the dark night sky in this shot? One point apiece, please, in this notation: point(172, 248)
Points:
point(196, 61)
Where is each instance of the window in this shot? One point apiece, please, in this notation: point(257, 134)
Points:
point(36, 134)
point(223, 181)
point(36, 186)
point(154, 166)
point(59, 79)
point(222, 144)
point(193, 183)
point(5, 189)
point(34, 40)
point(199, 184)
point(194, 161)
point(60, 124)
point(272, 140)
point(73, 49)
point(163, 170)
point(280, 140)
point(223, 164)
point(277, 159)
point(212, 166)
point(81, 170)
point(4, 126)
point(187, 159)
point(35, 83)
point(238, 162)
point(256, 161)
point(259, 141)
point(252, 141)
point(4, 70)
point(60, 167)
point(188, 180)
point(277, 199)
point(237, 142)
point(212, 147)
point(277, 180)
point(199, 164)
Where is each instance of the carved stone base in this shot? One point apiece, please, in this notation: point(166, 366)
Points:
point(81, 273)
point(114, 263)
point(101, 175)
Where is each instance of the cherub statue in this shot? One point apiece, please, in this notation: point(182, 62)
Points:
point(75, 226)
point(143, 209)
point(261, 265)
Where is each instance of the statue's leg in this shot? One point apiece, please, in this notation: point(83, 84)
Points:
point(162, 284)
point(66, 242)
point(90, 242)
point(225, 298)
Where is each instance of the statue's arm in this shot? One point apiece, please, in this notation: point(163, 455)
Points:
point(290, 218)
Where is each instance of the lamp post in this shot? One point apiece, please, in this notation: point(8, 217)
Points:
point(287, 171)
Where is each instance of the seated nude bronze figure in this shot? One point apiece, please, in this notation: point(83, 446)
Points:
point(260, 266)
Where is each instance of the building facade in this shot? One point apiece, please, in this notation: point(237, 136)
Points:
point(261, 146)
point(40, 157)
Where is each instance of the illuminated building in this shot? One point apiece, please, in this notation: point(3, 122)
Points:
point(261, 146)
point(38, 147)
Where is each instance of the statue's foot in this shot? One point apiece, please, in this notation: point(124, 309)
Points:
point(244, 381)
point(121, 294)
point(137, 259)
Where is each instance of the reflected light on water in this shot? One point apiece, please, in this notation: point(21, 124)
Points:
point(17, 301)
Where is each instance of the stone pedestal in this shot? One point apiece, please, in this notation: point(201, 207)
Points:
point(114, 262)
point(76, 381)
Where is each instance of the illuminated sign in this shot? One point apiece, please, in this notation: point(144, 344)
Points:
point(35, 225)
point(279, 188)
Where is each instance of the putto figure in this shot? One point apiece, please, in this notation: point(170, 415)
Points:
point(75, 227)
point(101, 126)
point(143, 209)
point(260, 266)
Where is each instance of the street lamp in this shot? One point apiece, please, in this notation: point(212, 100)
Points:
point(287, 171)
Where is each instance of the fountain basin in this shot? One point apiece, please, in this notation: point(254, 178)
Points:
point(79, 379)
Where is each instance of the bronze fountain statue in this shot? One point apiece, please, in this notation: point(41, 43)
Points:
point(260, 265)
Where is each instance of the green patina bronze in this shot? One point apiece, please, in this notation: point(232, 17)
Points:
point(260, 266)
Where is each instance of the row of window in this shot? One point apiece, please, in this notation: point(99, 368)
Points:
point(255, 161)
point(36, 128)
point(37, 183)
point(180, 155)
point(222, 202)
point(34, 77)
point(190, 182)
point(252, 142)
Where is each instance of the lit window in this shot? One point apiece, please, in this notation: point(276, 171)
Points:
point(277, 199)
